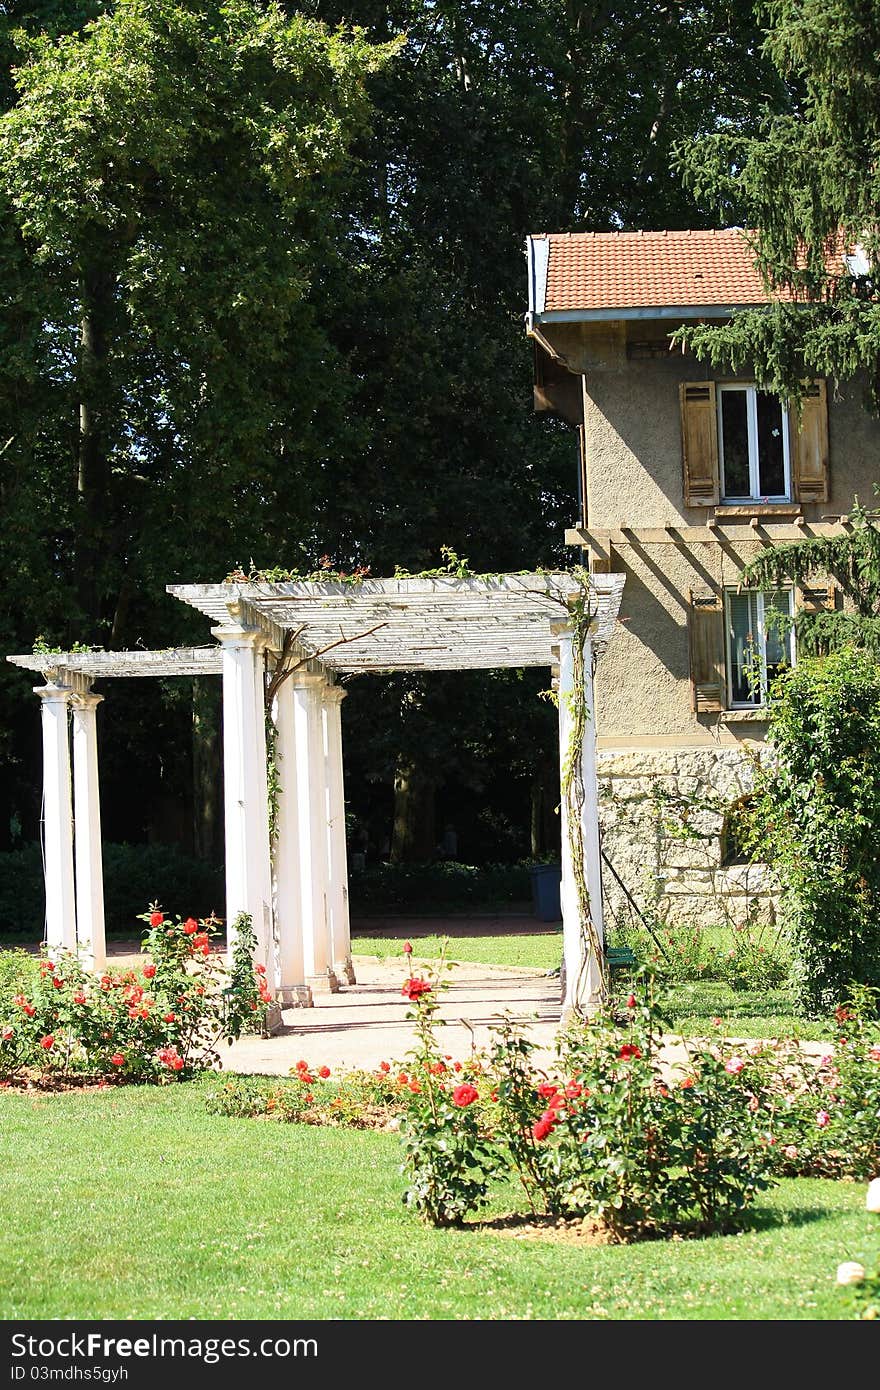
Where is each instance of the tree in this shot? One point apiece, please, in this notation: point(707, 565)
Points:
point(808, 183)
point(168, 181)
point(162, 172)
point(853, 561)
point(497, 119)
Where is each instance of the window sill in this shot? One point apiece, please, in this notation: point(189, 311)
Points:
point(739, 511)
point(744, 716)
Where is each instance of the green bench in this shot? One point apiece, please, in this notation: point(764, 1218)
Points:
point(620, 958)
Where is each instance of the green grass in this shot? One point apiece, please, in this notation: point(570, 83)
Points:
point(744, 1013)
point(137, 1203)
point(534, 951)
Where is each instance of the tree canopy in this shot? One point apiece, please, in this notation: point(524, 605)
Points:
point(263, 291)
point(807, 183)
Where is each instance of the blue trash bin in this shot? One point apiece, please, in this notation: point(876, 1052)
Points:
point(546, 879)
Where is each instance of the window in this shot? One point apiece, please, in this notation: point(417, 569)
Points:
point(733, 837)
point(759, 642)
point(753, 445)
point(738, 444)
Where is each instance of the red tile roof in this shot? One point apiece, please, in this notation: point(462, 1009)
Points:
point(635, 270)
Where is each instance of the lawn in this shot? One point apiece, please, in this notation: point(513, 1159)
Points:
point(137, 1203)
point(532, 951)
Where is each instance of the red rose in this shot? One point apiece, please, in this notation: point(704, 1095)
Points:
point(547, 1090)
point(541, 1128)
point(156, 919)
point(47, 1042)
point(629, 1050)
point(169, 1018)
point(687, 1083)
point(438, 1068)
point(402, 1079)
point(573, 1090)
point(324, 1072)
point(79, 999)
point(301, 1065)
point(385, 1066)
point(407, 948)
point(631, 1002)
point(118, 1059)
point(414, 988)
point(414, 1087)
point(465, 1094)
point(259, 969)
point(190, 926)
point(59, 984)
point(556, 1103)
point(29, 1009)
point(177, 1064)
point(8, 1033)
point(149, 972)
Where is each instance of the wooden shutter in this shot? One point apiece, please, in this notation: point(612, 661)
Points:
point(706, 645)
point(810, 446)
point(699, 443)
point(815, 598)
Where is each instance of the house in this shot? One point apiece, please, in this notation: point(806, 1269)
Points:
point(685, 475)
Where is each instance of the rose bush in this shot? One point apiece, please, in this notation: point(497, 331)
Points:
point(161, 1022)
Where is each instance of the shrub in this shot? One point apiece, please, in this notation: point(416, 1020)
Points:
point(449, 885)
point(614, 1137)
point(163, 1021)
point(355, 1099)
point(133, 875)
point(823, 1115)
point(448, 1157)
point(814, 815)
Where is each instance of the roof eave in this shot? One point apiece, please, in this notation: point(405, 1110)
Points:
point(651, 311)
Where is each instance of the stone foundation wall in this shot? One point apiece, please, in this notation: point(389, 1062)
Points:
point(662, 815)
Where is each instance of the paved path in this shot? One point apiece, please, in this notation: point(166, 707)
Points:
point(365, 1024)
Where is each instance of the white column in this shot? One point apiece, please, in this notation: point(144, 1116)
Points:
point(580, 937)
point(337, 858)
point(291, 985)
point(308, 733)
point(91, 941)
point(57, 824)
point(244, 782)
point(263, 864)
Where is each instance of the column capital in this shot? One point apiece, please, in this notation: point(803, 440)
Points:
point(333, 695)
point(306, 679)
point(85, 700)
point(54, 692)
point(240, 637)
point(561, 628)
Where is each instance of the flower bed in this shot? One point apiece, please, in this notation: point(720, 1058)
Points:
point(160, 1022)
point(611, 1134)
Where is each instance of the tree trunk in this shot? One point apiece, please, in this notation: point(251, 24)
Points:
point(413, 838)
point(207, 795)
point(93, 472)
point(544, 814)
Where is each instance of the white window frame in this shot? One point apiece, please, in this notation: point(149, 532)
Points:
point(760, 629)
point(751, 393)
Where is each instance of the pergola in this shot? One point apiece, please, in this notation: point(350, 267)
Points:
point(284, 649)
